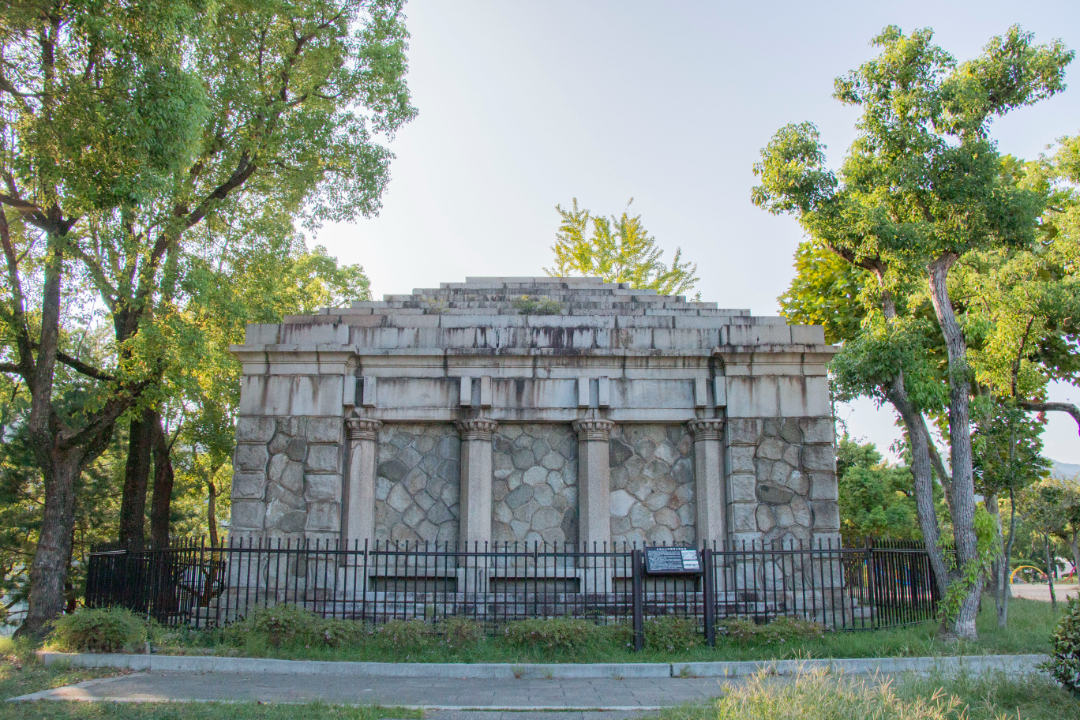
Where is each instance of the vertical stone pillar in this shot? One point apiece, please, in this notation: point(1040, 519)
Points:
point(743, 435)
point(710, 496)
point(594, 481)
point(475, 490)
point(363, 435)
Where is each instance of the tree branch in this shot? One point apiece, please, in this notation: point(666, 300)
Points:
point(1053, 407)
point(84, 368)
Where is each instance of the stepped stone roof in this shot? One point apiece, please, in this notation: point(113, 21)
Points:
point(491, 315)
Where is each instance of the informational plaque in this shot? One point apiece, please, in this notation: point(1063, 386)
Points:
point(672, 561)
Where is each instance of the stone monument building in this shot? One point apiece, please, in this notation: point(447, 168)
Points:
point(558, 410)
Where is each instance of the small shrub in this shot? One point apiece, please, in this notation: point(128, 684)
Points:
point(1064, 662)
point(98, 630)
point(526, 305)
point(558, 635)
point(460, 632)
point(408, 636)
point(670, 633)
point(341, 633)
point(278, 625)
point(783, 629)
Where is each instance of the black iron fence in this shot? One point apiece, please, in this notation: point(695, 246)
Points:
point(881, 584)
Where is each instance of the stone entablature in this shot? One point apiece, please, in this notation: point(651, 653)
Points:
point(449, 416)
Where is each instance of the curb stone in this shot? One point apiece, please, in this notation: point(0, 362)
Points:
point(554, 671)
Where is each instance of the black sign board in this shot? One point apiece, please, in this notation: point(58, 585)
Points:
point(672, 561)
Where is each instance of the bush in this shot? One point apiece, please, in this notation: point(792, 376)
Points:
point(780, 630)
point(98, 630)
point(1064, 662)
point(559, 635)
point(670, 633)
point(277, 625)
point(408, 636)
point(460, 632)
point(341, 633)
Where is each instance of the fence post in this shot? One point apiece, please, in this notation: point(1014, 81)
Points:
point(638, 587)
point(708, 597)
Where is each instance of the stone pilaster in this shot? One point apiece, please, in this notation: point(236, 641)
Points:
point(594, 481)
point(710, 496)
point(475, 493)
point(360, 488)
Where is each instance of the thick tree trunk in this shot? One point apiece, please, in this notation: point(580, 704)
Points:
point(161, 506)
point(1050, 572)
point(1074, 544)
point(52, 558)
point(136, 478)
point(963, 484)
point(1000, 567)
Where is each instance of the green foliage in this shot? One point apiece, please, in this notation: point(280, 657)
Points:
point(876, 498)
point(407, 636)
point(556, 635)
point(459, 633)
point(826, 290)
point(104, 630)
point(988, 549)
point(784, 629)
point(1064, 662)
point(526, 305)
point(619, 250)
point(673, 634)
point(279, 625)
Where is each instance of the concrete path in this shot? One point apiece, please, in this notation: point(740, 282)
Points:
point(448, 694)
point(1042, 592)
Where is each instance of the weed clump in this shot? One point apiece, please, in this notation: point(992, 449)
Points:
point(104, 630)
point(671, 633)
point(557, 635)
point(783, 629)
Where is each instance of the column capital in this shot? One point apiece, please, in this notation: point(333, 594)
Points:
point(358, 428)
point(706, 429)
point(477, 429)
point(593, 429)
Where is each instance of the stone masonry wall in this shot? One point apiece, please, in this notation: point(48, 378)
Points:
point(652, 484)
point(287, 478)
point(417, 483)
point(534, 490)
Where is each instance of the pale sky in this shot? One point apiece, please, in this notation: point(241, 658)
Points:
point(525, 105)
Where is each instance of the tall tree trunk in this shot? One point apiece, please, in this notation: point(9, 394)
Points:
point(1050, 563)
point(52, 558)
point(1074, 544)
point(161, 506)
point(137, 477)
point(211, 512)
point(963, 483)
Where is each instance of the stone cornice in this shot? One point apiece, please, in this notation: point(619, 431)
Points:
point(477, 429)
point(593, 430)
point(362, 428)
point(706, 429)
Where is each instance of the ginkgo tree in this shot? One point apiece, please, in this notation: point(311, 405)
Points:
point(920, 187)
point(619, 250)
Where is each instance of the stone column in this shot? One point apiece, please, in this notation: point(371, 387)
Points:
point(363, 434)
point(710, 496)
point(594, 482)
point(743, 435)
point(475, 490)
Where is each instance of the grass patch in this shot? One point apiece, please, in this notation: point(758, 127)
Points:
point(1031, 624)
point(818, 696)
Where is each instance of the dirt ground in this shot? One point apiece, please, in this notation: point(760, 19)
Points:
point(1042, 592)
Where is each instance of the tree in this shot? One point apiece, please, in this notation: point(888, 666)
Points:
point(619, 250)
point(875, 497)
point(920, 187)
point(229, 110)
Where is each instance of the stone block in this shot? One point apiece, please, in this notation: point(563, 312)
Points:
point(743, 488)
point(808, 334)
point(823, 486)
point(766, 520)
point(324, 429)
point(797, 482)
point(826, 515)
point(322, 488)
point(247, 515)
point(255, 429)
point(771, 448)
point(744, 517)
point(801, 511)
point(286, 473)
point(248, 485)
point(785, 518)
point(250, 457)
point(743, 431)
point(817, 430)
point(323, 458)
point(323, 516)
point(742, 458)
point(392, 470)
point(774, 494)
point(819, 457)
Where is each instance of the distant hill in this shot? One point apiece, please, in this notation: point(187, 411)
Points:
point(1065, 471)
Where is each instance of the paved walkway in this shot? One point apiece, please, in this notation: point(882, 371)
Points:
point(623, 696)
point(1042, 592)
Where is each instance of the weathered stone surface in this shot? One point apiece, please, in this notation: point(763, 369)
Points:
point(250, 457)
point(774, 494)
point(393, 470)
point(819, 457)
point(766, 520)
point(247, 514)
point(801, 511)
point(652, 482)
point(323, 516)
point(743, 488)
point(744, 517)
point(255, 429)
point(322, 488)
point(399, 498)
point(322, 458)
point(743, 431)
point(797, 482)
point(817, 430)
point(296, 450)
point(249, 485)
point(286, 473)
point(324, 429)
point(823, 486)
point(826, 515)
point(419, 464)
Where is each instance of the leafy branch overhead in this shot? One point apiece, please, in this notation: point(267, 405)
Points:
point(619, 250)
